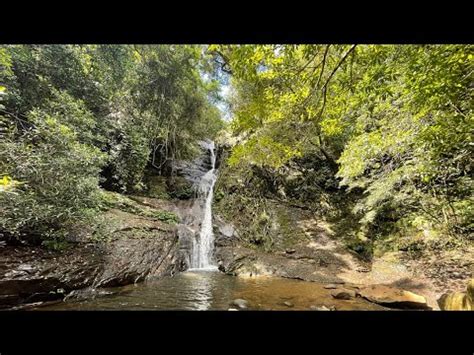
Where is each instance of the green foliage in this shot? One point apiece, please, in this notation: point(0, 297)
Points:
point(57, 176)
point(394, 122)
point(165, 216)
point(74, 117)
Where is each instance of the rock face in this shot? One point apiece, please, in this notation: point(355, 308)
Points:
point(458, 301)
point(393, 297)
point(302, 247)
point(141, 248)
point(225, 234)
point(309, 265)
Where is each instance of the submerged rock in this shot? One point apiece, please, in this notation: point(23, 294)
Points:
point(393, 297)
point(323, 308)
point(240, 303)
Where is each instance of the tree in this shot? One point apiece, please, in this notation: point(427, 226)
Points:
point(77, 117)
point(394, 121)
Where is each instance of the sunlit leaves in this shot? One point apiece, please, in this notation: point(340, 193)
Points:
point(399, 119)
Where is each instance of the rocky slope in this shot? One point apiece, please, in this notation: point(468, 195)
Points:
point(394, 279)
point(138, 248)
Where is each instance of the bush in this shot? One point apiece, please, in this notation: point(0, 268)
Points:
point(53, 177)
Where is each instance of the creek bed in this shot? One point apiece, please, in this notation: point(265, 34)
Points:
point(213, 290)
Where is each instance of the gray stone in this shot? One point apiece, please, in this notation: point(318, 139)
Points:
point(25, 267)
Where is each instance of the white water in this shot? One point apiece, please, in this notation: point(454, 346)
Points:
point(201, 257)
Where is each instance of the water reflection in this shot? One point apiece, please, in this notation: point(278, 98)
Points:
point(197, 290)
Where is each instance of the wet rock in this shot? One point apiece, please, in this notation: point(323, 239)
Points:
point(288, 304)
point(225, 233)
point(25, 267)
point(240, 303)
point(343, 294)
point(393, 297)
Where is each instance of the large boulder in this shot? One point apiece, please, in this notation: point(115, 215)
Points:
point(458, 301)
point(393, 297)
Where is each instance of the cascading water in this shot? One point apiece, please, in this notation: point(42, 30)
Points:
point(201, 257)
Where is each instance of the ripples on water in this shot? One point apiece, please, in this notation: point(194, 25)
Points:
point(212, 290)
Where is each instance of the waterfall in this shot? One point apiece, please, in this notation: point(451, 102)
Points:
point(201, 257)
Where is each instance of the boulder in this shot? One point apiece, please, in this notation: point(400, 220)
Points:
point(343, 294)
point(288, 304)
point(330, 286)
point(458, 301)
point(393, 297)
